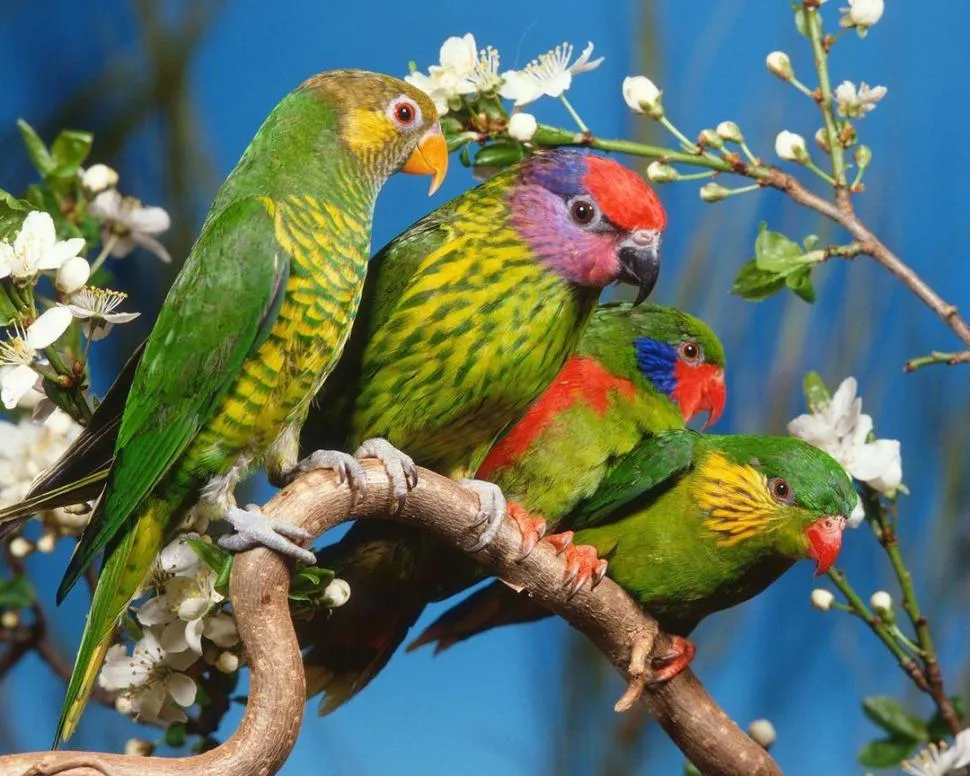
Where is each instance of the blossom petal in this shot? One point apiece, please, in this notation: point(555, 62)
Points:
point(173, 637)
point(181, 688)
point(583, 65)
point(520, 87)
point(15, 382)
point(152, 245)
point(220, 629)
point(193, 635)
point(157, 611)
point(858, 514)
point(149, 220)
point(60, 252)
point(48, 327)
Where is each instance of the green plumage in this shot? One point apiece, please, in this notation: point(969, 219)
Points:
point(253, 323)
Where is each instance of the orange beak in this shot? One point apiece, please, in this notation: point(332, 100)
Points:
point(824, 541)
point(429, 158)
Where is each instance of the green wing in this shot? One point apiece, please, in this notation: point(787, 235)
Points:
point(220, 309)
point(654, 464)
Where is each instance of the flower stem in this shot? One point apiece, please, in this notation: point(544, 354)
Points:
point(747, 152)
point(820, 173)
point(814, 23)
point(690, 147)
point(572, 112)
point(801, 87)
point(105, 251)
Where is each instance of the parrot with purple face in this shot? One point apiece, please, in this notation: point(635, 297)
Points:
point(465, 319)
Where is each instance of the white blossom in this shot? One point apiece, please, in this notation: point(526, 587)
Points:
point(862, 14)
point(36, 248)
point(856, 103)
point(780, 65)
point(728, 130)
point(842, 430)
point(522, 127)
point(95, 306)
point(456, 74)
point(763, 732)
point(791, 147)
point(642, 96)
point(822, 599)
point(940, 759)
point(19, 547)
point(337, 593)
point(485, 76)
point(17, 375)
point(72, 274)
point(550, 75)
point(99, 177)
point(130, 224)
point(881, 601)
point(48, 327)
point(150, 679)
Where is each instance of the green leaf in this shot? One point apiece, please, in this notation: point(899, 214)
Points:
point(132, 626)
point(71, 147)
point(893, 718)
point(937, 729)
point(690, 769)
point(13, 211)
point(817, 393)
point(16, 593)
point(309, 584)
point(8, 311)
point(212, 555)
point(40, 157)
point(773, 252)
point(886, 752)
point(800, 283)
point(175, 735)
point(501, 153)
point(756, 284)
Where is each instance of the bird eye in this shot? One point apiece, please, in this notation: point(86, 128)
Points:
point(583, 212)
point(691, 352)
point(403, 112)
point(781, 490)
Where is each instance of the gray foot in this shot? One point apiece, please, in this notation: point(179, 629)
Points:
point(254, 529)
point(491, 510)
point(399, 466)
point(347, 467)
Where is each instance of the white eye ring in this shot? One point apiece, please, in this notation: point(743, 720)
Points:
point(394, 108)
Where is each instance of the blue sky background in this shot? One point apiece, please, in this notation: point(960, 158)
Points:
point(496, 705)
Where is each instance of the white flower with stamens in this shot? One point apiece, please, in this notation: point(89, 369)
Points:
point(129, 224)
point(940, 759)
point(550, 75)
point(842, 430)
point(17, 375)
point(460, 66)
point(485, 77)
point(95, 306)
point(36, 248)
point(151, 681)
point(862, 14)
point(28, 449)
point(856, 103)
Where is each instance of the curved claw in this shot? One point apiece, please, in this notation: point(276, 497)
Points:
point(399, 466)
point(560, 541)
point(531, 527)
point(347, 467)
point(492, 510)
point(253, 529)
point(583, 566)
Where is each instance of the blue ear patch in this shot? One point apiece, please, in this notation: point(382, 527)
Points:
point(656, 363)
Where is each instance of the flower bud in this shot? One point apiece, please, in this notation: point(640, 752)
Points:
point(45, 543)
point(522, 127)
point(72, 275)
point(882, 602)
point(862, 156)
point(139, 747)
point(124, 706)
point(714, 192)
point(708, 137)
point(822, 140)
point(227, 662)
point(643, 96)
point(337, 593)
point(791, 147)
point(862, 14)
point(779, 64)
point(822, 599)
point(20, 547)
point(10, 619)
point(658, 172)
point(729, 131)
point(763, 733)
point(99, 177)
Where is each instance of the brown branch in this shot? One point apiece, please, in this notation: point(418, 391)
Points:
point(274, 713)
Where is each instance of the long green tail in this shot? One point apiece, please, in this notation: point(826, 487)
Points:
point(76, 492)
point(125, 566)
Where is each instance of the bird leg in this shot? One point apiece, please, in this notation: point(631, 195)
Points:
point(532, 528)
point(492, 508)
point(583, 565)
point(662, 668)
point(400, 467)
point(254, 529)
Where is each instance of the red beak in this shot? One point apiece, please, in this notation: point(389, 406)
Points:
point(700, 389)
point(824, 541)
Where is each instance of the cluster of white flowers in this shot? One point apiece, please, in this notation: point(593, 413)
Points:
point(464, 70)
point(940, 759)
point(152, 680)
point(854, 102)
point(843, 431)
point(28, 448)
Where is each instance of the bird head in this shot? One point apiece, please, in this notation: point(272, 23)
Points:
point(589, 219)
point(778, 493)
point(385, 121)
point(681, 357)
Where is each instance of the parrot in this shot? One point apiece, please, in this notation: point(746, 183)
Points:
point(692, 524)
point(252, 326)
point(465, 319)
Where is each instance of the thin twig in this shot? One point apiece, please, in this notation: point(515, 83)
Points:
point(938, 357)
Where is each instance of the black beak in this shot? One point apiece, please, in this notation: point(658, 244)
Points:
point(639, 257)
